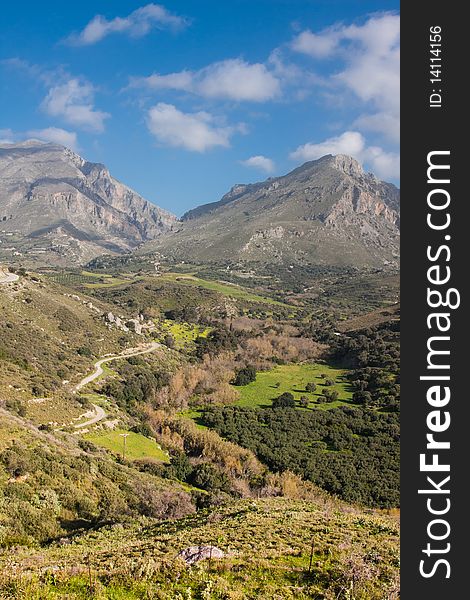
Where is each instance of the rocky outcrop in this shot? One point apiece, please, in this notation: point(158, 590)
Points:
point(195, 554)
point(49, 193)
point(326, 212)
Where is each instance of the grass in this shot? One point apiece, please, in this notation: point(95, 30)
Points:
point(293, 378)
point(226, 289)
point(182, 333)
point(137, 445)
point(88, 279)
point(267, 544)
point(53, 410)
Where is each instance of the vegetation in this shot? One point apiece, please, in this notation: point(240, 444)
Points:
point(350, 452)
point(267, 545)
point(245, 375)
point(297, 380)
point(230, 425)
point(375, 354)
point(136, 446)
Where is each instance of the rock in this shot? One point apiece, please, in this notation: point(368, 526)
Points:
point(194, 554)
point(134, 325)
point(52, 194)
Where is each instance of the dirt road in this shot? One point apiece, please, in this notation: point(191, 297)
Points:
point(126, 354)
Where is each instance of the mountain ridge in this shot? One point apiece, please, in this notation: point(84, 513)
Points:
point(54, 204)
point(327, 211)
point(75, 207)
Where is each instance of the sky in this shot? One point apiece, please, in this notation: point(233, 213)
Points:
point(183, 100)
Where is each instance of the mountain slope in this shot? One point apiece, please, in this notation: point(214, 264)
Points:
point(53, 201)
point(326, 212)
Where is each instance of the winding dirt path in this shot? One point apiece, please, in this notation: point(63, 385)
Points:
point(8, 278)
point(100, 413)
point(126, 354)
point(98, 416)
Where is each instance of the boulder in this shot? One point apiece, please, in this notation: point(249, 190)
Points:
point(194, 554)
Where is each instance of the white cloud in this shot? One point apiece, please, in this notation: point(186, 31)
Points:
point(317, 45)
point(350, 142)
point(259, 162)
point(232, 79)
point(370, 53)
point(73, 102)
point(6, 136)
point(193, 131)
point(137, 24)
point(380, 122)
point(386, 165)
point(56, 135)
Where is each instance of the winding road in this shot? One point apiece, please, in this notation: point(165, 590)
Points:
point(100, 414)
point(8, 277)
point(126, 354)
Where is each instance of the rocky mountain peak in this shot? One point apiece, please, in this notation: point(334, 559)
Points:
point(327, 212)
point(348, 165)
point(55, 202)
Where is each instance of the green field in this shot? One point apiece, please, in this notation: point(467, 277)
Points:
point(88, 279)
point(137, 446)
point(293, 378)
point(234, 291)
point(182, 333)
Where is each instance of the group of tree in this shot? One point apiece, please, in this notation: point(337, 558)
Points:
point(374, 355)
point(350, 452)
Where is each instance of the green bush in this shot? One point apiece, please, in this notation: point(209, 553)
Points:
point(285, 400)
point(245, 375)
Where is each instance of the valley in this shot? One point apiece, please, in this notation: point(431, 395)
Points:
point(169, 389)
point(153, 400)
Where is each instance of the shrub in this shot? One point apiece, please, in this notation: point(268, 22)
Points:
point(84, 351)
point(207, 477)
point(245, 375)
point(285, 400)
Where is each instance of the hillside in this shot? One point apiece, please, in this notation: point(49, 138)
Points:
point(267, 545)
point(326, 212)
point(125, 439)
point(58, 208)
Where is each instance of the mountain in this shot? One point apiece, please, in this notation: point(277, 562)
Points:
point(55, 203)
point(326, 212)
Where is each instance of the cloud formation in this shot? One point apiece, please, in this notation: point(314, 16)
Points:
point(385, 165)
point(73, 102)
point(371, 56)
point(6, 136)
point(49, 134)
point(55, 135)
point(193, 131)
point(259, 162)
point(232, 79)
point(137, 24)
point(317, 45)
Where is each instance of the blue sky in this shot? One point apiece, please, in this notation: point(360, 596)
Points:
point(184, 99)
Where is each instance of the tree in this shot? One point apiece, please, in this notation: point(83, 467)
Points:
point(311, 387)
point(331, 395)
point(84, 351)
point(304, 401)
point(285, 400)
point(169, 341)
point(329, 382)
point(245, 375)
point(209, 478)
